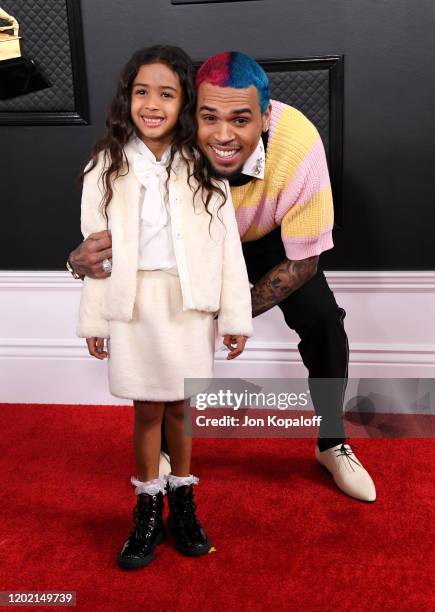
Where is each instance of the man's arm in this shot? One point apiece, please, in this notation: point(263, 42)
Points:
point(280, 282)
point(86, 259)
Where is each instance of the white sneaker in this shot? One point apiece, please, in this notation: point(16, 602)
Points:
point(347, 472)
point(164, 465)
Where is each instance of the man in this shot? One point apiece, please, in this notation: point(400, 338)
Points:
point(274, 159)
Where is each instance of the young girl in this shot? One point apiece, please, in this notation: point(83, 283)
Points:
point(177, 261)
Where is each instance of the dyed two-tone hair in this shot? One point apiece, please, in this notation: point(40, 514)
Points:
point(234, 69)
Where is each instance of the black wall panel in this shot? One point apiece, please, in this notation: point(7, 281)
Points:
point(389, 119)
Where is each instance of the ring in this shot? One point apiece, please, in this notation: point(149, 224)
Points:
point(106, 265)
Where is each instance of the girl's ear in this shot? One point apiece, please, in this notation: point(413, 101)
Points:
point(265, 118)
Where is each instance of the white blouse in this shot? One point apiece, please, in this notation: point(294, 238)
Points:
point(156, 250)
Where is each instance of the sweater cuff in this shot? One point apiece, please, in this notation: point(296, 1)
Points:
point(302, 248)
point(233, 328)
point(93, 329)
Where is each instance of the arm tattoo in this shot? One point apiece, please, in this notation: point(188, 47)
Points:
point(280, 282)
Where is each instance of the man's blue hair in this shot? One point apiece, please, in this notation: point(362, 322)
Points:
point(235, 69)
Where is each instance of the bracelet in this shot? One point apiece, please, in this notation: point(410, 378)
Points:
point(72, 271)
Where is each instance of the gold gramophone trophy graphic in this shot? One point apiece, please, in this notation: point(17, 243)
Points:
point(9, 38)
point(18, 75)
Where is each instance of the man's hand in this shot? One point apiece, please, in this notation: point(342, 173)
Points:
point(87, 257)
point(96, 347)
point(235, 344)
point(280, 282)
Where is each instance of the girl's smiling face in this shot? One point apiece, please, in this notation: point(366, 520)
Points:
point(156, 102)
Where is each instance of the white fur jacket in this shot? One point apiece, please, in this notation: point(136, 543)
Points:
point(211, 266)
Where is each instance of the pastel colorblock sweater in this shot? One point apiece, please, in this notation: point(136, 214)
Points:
point(295, 192)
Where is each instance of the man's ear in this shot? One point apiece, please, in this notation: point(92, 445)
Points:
point(265, 118)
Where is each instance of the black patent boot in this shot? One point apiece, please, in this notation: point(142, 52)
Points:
point(147, 533)
point(190, 537)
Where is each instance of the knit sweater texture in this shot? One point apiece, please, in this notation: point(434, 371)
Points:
point(295, 192)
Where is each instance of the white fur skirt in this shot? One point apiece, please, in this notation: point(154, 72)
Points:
point(150, 356)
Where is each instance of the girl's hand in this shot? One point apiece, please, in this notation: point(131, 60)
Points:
point(235, 344)
point(96, 347)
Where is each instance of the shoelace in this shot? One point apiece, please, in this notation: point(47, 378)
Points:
point(141, 522)
point(186, 513)
point(346, 453)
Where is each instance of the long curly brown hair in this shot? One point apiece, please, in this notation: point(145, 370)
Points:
point(120, 127)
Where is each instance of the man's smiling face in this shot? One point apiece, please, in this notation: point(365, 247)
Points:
point(230, 123)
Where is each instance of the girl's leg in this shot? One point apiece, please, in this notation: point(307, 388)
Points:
point(148, 530)
point(190, 537)
point(147, 439)
point(180, 445)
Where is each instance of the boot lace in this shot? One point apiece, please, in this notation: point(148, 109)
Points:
point(141, 520)
point(186, 516)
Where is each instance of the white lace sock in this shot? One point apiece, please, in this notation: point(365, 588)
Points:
point(180, 481)
point(150, 487)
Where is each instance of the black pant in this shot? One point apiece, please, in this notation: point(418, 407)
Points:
point(315, 316)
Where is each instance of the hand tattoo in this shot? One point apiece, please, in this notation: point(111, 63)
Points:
point(280, 282)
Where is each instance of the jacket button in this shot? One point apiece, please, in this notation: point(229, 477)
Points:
point(178, 235)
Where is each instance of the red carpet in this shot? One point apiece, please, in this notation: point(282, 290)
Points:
point(285, 538)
